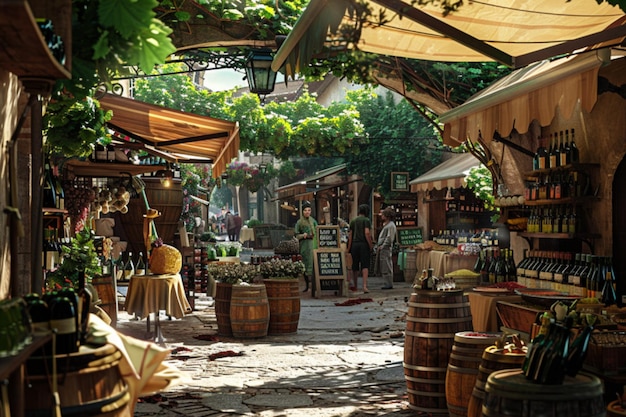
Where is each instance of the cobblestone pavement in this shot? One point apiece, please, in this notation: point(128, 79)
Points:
point(343, 361)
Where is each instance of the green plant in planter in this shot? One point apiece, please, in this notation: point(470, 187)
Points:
point(79, 255)
point(281, 269)
point(232, 273)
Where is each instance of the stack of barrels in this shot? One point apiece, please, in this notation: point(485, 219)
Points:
point(452, 371)
point(433, 319)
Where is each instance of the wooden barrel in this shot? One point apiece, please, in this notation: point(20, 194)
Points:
point(510, 394)
point(89, 384)
point(223, 293)
point(168, 201)
point(249, 311)
point(433, 318)
point(465, 358)
point(410, 268)
point(492, 360)
point(283, 296)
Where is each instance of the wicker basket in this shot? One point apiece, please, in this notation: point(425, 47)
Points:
point(607, 352)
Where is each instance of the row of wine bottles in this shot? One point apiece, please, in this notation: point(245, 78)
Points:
point(562, 151)
point(125, 269)
point(558, 219)
point(496, 265)
point(553, 353)
point(65, 310)
point(558, 185)
point(580, 274)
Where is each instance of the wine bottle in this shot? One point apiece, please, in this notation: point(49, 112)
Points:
point(554, 151)
point(84, 305)
point(63, 319)
point(140, 267)
point(574, 154)
point(542, 155)
point(578, 352)
point(609, 297)
point(49, 189)
point(566, 151)
point(552, 366)
point(70, 294)
point(129, 267)
point(536, 346)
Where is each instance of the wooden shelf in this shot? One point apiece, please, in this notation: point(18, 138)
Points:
point(23, 50)
point(562, 201)
point(77, 168)
point(581, 236)
point(10, 364)
point(569, 167)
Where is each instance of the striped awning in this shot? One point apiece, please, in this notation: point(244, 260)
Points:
point(187, 137)
point(448, 174)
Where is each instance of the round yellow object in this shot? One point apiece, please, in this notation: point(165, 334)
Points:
point(165, 259)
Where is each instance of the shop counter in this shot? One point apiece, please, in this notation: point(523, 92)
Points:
point(443, 262)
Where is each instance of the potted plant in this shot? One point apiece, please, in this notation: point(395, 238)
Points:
point(282, 283)
point(79, 254)
point(225, 275)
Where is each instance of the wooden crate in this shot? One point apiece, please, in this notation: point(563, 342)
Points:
point(518, 316)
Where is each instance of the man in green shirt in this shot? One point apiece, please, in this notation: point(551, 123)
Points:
point(360, 247)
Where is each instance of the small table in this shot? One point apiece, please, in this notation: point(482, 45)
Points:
point(153, 293)
point(246, 235)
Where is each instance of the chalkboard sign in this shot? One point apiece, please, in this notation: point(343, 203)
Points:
point(399, 181)
point(328, 237)
point(329, 264)
point(409, 236)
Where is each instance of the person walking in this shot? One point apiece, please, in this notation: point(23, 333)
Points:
point(230, 226)
point(306, 228)
point(360, 247)
point(238, 221)
point(384, 246)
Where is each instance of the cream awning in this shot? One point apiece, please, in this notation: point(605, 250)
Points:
point(186, 136)
point(513, 32)
point(449, 174)
point(527, 94)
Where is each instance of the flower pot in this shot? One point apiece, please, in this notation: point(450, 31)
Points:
point(283, 296)
point(223, 294)
point(249, 311)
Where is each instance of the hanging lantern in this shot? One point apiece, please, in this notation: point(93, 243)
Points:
point(261, 78)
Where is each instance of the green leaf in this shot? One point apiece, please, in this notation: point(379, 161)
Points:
point(126, 16)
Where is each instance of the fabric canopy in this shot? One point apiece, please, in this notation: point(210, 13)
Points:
point(448, 174)
point(513, 32)
point(185, 136)
point(527, 94)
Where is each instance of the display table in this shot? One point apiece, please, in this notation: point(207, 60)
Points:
point(152, 293)
point(483, 308)
point(246, 235)
point(443, 262)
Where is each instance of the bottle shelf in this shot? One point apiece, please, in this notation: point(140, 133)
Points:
point(581, 236)
point(568, 167)
point(562, 201)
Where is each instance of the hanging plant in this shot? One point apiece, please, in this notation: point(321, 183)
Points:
point(72, 126)
point(480, 182)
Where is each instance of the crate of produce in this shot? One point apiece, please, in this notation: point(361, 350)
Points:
point(607, 352)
